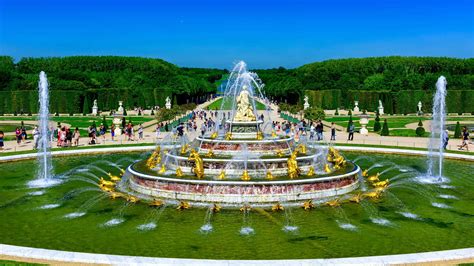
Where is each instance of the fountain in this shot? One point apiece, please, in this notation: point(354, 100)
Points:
point(44, 174)
point(240, 163)
point(435, 148)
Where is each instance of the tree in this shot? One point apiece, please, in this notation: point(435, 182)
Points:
point(350, 122)
point(385, 131)
point(377, 126)
point(420, 130)
point(314, 113)
point(124, 111)
point(104, 123)
point(85, 107)
point(457, 131)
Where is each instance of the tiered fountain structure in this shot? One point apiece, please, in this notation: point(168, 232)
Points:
point(241, 163)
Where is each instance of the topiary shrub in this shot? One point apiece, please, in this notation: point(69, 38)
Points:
point(350, 122)
point(152, 112)
point(337, 111)
point(385, 131)
point(377, 125)
point(457, 131)
point(420, 130)
point(314, 113)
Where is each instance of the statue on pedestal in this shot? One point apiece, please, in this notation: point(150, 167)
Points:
point(306, 104)
point(120, 109)
point(95, 109)
point(244, 110)
point(419, 108)
point(380, 108)
point(356, 107)
point(168, 103)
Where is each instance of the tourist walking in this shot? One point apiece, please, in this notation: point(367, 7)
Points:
point(333, 131)
point(1, 140)
point(102, 131)
point(351, 132)
point(158, 130)
point(18, 136)
point(112, 132)
point(36, 135)
point(23, 134)
point(76, 136)
point(319, 130)
point(140, 132)
point(465, 139)
point(445, 139)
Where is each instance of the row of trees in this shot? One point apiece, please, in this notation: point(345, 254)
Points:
point(400, 82)
point(80, 79)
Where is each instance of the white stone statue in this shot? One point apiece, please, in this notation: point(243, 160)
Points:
point(244, 110)
point(120, 109)
point(356, 107)
point(95, 109)
point(168, 103)
point(380, 108)
point(419, 108)
point(306, 104)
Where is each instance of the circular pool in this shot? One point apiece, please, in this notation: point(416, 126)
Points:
point(76, 215)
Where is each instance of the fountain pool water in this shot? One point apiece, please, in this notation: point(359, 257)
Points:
point(44, 173)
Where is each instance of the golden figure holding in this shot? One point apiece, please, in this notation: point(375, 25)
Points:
point(244, 110)
point(277, 207)
point(308, 205)
point(245, 176)
point(162, 169)
point(184, 149)
point(214, 135)
point(228, 136)
point(269, 175)
point(311, 171)
point(154, 159)
point(179, 172)
point(198, 168)
point(221, 175)
point(293, 170)
point(301, 148)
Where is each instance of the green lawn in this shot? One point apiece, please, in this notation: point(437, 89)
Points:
point(405, 133)
point(393, 122)
point(11, 262)
point(228, 105)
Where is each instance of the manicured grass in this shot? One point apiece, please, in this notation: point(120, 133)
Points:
point(12, 127)
point(405, 133)
point(228, 105)
point(11, 262)
point(393, 122)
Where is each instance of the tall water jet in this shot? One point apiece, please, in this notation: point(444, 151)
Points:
point(44, 173)
point(435, 148)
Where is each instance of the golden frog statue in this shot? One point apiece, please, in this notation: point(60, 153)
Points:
point(184, 149)
point(259, 135)
point(228, 136)
point(293, 170)
point(183, 205)
point(269, 175)
point(154, 159)
point(214, 135)
point(327, 169)
point(301, 148)
point(198, 168)
point(277, 207)
point(308, 205)
point(162, 169)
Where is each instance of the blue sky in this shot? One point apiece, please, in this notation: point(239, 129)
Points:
point(263, 33)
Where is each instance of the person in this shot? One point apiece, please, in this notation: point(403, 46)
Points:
point(76, 136)
point(311, 131)
point(203, 129)
point(62, 137)
point(68, 137)
point(140, 132)
point(465, 139)
point(158, 130)
point(102, 131)
point(333, 131)
point(18, 136)
point(180, 129)
point(1, 140)
point(23, 134)
point(112, 131)
point(36, 134)
point(351, 132)
point(445, 139)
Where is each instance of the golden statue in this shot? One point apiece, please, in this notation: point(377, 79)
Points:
point(280, 153)
point(228, 136)
point(301, 148)
point(308, 205)
point(245, 208)
point(365, 173)
point(374, 178)
point(381, 184)
point(277, 207)
point(214, 135)
point(333, 203)
point(114, 177)
point(372, 194)
point(245, 176)
point(103, 182)
point(274, 134)
point(162, 169)
point(244, 110)
point(356, 198)
point(216, 208)
point(154, 159)
point(132, 199)
point(311, 171)
point(198, 168)
point(221, 175)
point(293, 170)
point(156, 203)
point(269, 175)
point(116, 195)
point(183, 205)
point(259, 135)
point(184, 148)
point(327, 169)
point(210, 154)
point(179, 172)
